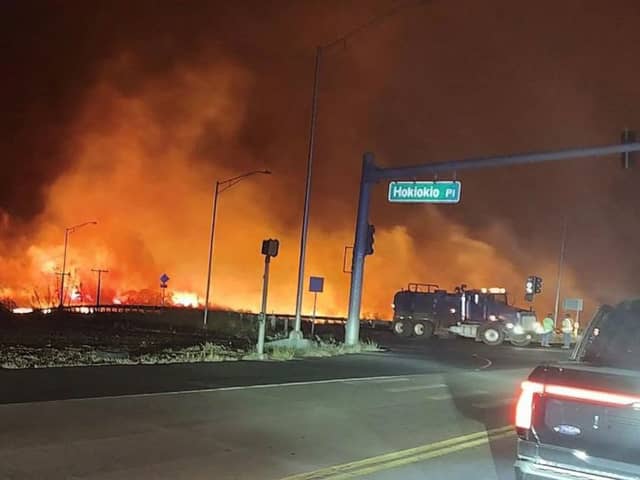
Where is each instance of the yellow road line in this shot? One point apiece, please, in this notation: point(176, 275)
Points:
point(420, 457)
point(403, 457)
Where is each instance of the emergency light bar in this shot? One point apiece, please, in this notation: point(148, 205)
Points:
point(494, 290)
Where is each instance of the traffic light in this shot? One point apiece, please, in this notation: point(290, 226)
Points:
point(371, 230)
point(530, 285)
point(537, 285)
point(628, 158)
point(270, 247)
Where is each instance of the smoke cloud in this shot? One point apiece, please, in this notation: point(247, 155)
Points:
point(128, 115)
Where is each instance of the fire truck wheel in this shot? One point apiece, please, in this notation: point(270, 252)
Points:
point(423, 329)
point(520, 340)
point(491, 335)
point(402, 328)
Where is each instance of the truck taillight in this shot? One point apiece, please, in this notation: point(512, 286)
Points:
point(595, 396)
point(524, 407)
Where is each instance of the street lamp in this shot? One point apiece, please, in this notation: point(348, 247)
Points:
point(221, 186)
point(297, 330)
point(68, 231)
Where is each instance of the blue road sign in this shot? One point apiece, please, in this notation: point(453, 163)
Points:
point(575, 304)
point(316, 284)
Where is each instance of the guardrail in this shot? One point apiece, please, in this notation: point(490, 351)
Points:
point(156, 309)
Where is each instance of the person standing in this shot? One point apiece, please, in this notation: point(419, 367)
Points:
point(567, 331)
point(547, 330)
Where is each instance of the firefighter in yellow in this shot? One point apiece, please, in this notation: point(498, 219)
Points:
point(567, 331)
point(547, 330)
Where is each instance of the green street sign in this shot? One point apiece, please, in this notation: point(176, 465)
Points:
point(425, 192)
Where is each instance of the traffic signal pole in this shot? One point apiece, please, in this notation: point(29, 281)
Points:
point(563, 246)
point(352, 328)
point(372, 174)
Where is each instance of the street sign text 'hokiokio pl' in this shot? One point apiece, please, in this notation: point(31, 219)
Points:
point(425, 192)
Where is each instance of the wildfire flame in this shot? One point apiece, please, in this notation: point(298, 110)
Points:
point(135, 167)
point(185, 299)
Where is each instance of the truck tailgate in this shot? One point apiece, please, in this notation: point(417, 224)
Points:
point(589, 414)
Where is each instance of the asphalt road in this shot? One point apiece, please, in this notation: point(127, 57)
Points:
point(419, 410)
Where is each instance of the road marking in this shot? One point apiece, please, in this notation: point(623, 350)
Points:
point(442, 396)
point(404, 457)
point(415, 387)
point(487, 364)
point(386, 380)
point(460, 395)
point(223, 389)
point(494, 403)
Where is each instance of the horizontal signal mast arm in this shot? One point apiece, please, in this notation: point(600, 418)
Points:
point(409, 173)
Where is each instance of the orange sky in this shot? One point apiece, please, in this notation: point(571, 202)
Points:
point(135, 169)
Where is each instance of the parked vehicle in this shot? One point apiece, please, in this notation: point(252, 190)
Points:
point(580, 419)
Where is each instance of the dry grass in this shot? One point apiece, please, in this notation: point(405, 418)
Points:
point(320, 349)
point(278, 354)
point(207, 352)
point(332, 348)
point(27, 357)
point(282, 353)
point(16, 357)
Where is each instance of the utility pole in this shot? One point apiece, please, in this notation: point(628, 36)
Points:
point(61, 285)
point(563, 245)
point(64, 266)
point(99, 272)
point(68, 231)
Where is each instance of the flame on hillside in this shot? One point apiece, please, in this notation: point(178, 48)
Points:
point(137, 169)
point(185, 299)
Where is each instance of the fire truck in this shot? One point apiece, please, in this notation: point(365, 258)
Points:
point(424, 310)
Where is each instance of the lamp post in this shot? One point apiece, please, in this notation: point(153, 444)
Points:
point(68, 231)
point(221, 186)
point(297, 331)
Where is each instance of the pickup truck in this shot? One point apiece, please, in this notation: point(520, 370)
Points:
point(580, 419)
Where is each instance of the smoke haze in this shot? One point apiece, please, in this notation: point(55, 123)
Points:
point(128, 113)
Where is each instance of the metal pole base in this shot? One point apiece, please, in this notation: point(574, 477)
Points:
point(295, 335)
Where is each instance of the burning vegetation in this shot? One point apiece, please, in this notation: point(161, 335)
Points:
point(146, 125)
